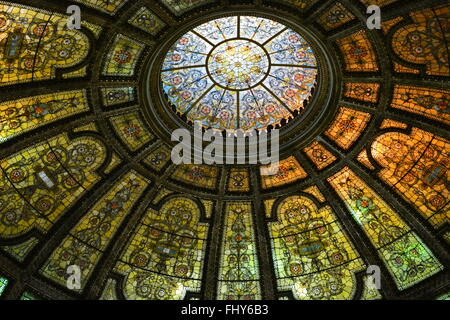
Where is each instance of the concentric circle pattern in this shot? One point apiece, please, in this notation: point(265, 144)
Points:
point(240, 72)
point(238, 64)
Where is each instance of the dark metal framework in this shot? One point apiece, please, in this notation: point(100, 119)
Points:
point(25, 276)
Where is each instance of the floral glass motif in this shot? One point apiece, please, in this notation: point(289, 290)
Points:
point(407, 258)
point(181, 6)
point(313, 256)
point(91, 236)
point(358, 53)
point(425, 41)
point(367, 92)
point(122, 57)
point(147, 21)
point(318, 154)
point(239, 180)
point(39, 184)
point(132, 130)
point(115, 96)
point(3, 284)
point(26, 114)
point(158, 158)
point(348, 127)
point(239, 266)
point(418, 168)
point(289, 171)
point(239, 73)
point(335, 17)
point(431, 103)
point(199, 175)
point(165, 256)
point(35, 43)
point(108, 6)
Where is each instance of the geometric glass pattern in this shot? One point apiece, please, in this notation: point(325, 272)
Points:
point(239, 72)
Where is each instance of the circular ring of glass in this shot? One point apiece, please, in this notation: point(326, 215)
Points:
point(239, 72)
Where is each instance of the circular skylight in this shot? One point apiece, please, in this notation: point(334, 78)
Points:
point(239, 72)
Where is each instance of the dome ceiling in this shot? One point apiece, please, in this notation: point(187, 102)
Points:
point(87, 180)
point(239, 72)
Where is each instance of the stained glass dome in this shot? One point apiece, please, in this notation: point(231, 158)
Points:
point(239, 72)
point(87, 179)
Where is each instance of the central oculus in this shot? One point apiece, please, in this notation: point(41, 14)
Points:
point(239, 73)
point(238, 64)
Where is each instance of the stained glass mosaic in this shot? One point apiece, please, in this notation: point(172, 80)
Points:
point(289, 171)
point(367, 92)
point(239, 180)
point(389, 123)
point(358, 53)
point(425, 41)
point(158, 158)
point(316, 193)
point(24, 115)
point(123, 57)
point(132, 130)
point(40, 183)
point(313, 256)
point(36, 43)
point(165, 256)
point(147, 21)
point(400, 68)
point(91, 236)
point(431, 103)
point(21, 251)
point(108, 6)
point(418, 168)
point(407, 258)
point(318, 154)
point(300, 4)
point(386, 26)
point(115, 96)
point(239, 266)
point(181, 6)
point(363, 158)
point(3, 283)
point(201, 176)
point(347, 127)
point(336, 16)
point(239, 73)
